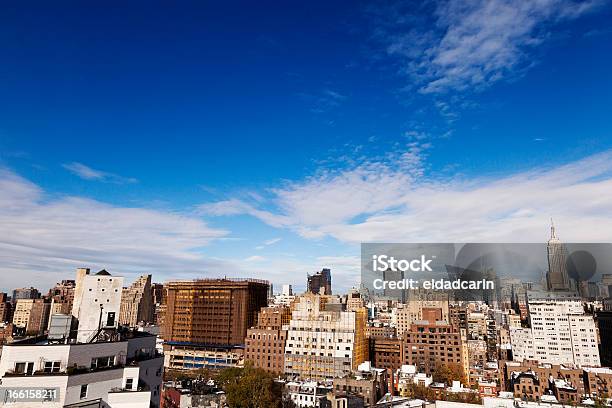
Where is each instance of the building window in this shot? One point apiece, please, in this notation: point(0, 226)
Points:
point(24, 368)
point(102, 362)
point(129, 383)
point(52, 367)
point(110, 319)
point(83, 391)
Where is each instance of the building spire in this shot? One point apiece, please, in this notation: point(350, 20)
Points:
point(552, 229)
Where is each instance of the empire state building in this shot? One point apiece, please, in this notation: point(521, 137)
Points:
point(556, 277)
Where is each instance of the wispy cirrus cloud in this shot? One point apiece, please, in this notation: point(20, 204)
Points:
point(388, 204)
point(88, 173)
point(42, 239)
point(461, 45)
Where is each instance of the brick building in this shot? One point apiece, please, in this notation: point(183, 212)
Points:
point(386, 352)
point(206, 320)
point(265, 343)
point(427, 346)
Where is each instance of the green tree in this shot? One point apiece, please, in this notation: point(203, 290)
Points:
point(250, 387)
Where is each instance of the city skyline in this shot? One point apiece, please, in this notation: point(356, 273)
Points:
point(241, 148)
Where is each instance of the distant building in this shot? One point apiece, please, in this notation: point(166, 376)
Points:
point(368, 383)
point(206, 321)
point(265, 343)
point(285, 298)
point(192, 393)
point(137, 303)
point(604, 324)
point(354, 300)
point(557, 278)
point(6, 333)
point(378, 329)
point(308, 394)
point(6, 309)
point(509, 370)
point(560, 333)
point(157, 290)
point(32, 315)
point(97, 300)
point(386, 353)
point(422, 305)
point(324, 340)
point(430, 345)
point(25, 293)
point(598, 381)
point(62, 297)
point(320, 282)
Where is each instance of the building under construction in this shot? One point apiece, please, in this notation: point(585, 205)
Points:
point(206, 320)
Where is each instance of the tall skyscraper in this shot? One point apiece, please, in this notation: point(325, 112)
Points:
point(205, 321)
point(320, 282)
point(557, 278)
point(137, 303)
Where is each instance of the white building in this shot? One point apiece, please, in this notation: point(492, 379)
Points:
point(97, 302)
point(560, 333)
point(125, 373)
point(285, 298)
point(407, 376)
point(324, 340)
point(307, 394)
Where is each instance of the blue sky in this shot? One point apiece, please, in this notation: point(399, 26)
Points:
point(268, 141)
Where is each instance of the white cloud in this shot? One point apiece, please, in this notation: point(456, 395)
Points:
point(87, 173)
point(42, 239)
point(381, 202)
point(474, 43)
point(272, 241)
point(255, 258)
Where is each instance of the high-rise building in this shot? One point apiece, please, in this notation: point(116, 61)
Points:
point(320, 282)
point(431, 345)
point(324, 340)
point(206, 320)
point(137, 303)
point(557, 278)
point(265, 343)
point(560, 333)
point(32, 316)
point(97, 301)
